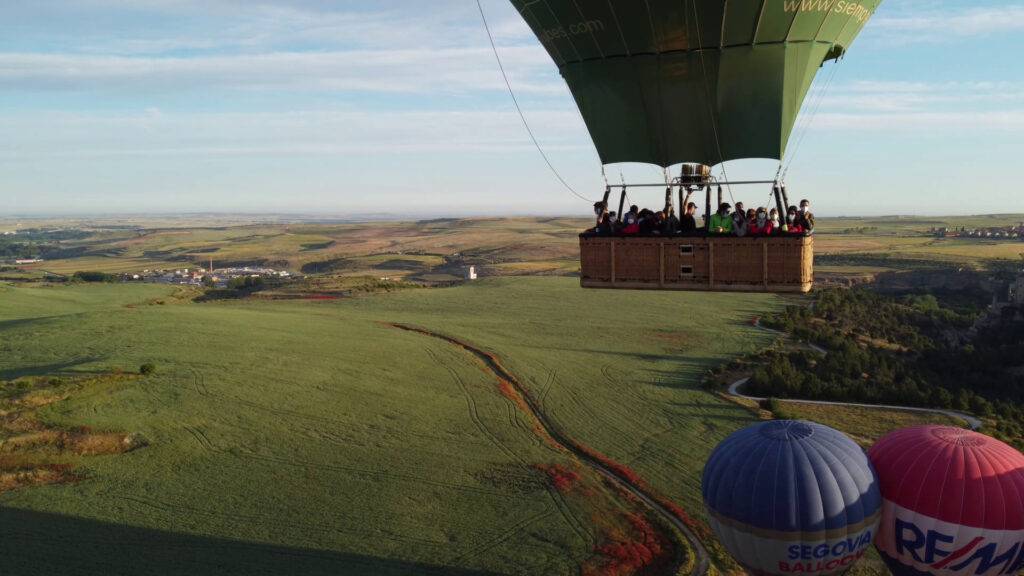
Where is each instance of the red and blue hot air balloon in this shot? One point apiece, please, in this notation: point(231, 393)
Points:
point(953, 503)
point(792, 497)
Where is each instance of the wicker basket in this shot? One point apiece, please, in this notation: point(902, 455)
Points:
point(776, 264)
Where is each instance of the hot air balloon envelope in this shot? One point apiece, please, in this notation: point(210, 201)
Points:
point(789, 497)
point(953, 503)
point(670, 81)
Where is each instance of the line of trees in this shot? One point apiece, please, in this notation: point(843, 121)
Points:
point(37, 243)
point(87, 276)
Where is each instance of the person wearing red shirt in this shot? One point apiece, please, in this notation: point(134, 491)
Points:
point(794, 223)
point(761, 225)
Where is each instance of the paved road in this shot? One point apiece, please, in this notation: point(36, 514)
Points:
point(972, 422)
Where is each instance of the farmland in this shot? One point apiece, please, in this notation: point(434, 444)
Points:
point(289, 427)
point(300, 430)
point(439, 250)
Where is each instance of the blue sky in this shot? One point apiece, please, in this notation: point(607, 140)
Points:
point(360, 106)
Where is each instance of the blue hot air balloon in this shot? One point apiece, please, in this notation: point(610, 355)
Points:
point(792, 497)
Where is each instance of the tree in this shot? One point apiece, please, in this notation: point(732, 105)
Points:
point(981, 407)
point(251, 283)
point(147, 369)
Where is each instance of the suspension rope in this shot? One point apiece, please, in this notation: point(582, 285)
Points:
point(519, 109)
point(810, 119)
point(624, 187)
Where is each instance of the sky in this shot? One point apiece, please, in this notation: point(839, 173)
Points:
point(354, 107)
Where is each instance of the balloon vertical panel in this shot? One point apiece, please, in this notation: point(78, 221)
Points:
point(791, 497)
point(953, 503)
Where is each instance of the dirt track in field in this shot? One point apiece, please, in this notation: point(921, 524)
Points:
point(618, 474)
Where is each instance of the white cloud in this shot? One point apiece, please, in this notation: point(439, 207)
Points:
point(166, 46)
point(917, 23)
point(442, 70)
point(905, 106)
point(157, 133)
point(968, 122)
point(889, 96)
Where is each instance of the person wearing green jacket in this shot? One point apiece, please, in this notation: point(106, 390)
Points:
point(721, 221)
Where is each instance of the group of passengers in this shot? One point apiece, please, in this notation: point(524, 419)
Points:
point(726, 222)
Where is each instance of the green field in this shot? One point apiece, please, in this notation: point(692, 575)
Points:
point(865, 425)
point(284, 437)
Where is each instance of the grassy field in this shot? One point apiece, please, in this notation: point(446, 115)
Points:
point(865, 425)
point(284, 434)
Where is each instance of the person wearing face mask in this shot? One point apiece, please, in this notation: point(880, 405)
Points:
point(604, 226)
point(793, 222)
point(721, 221)
point(761, 225)
point(773, 217)
point(806, 217)
point(631, 221)
point(751, 220)
point(631, 217)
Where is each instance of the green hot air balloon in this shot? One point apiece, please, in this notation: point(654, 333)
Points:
point(703, 81)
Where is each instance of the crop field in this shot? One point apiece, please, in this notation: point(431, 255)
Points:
point(310, 433)
point(283, 434)
point(440, 250)
point(398, 249)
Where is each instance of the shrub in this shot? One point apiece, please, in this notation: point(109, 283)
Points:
point(147, 368)
point(780, 413)
point(87, 276)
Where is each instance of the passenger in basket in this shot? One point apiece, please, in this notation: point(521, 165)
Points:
point(660, 223)
point(688, 223)
point(647, 222)
point(631, 217)
point(739, 220)
point(721, 221)
point(806, 217)
point(751, 220)
point(603, 221)
point(631, 222)
point(671, 226)
point(773, 217)
point(761, 226)
point(793, 222)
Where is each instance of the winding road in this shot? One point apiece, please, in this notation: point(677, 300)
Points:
point(972, 422)
point(653, 501)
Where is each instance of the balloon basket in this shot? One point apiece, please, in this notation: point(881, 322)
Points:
point(714, 264)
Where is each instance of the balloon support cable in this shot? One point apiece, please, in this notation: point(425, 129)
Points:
point(696, 184)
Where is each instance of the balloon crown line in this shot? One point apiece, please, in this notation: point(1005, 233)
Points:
point(787, 430)
point(959, 436)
